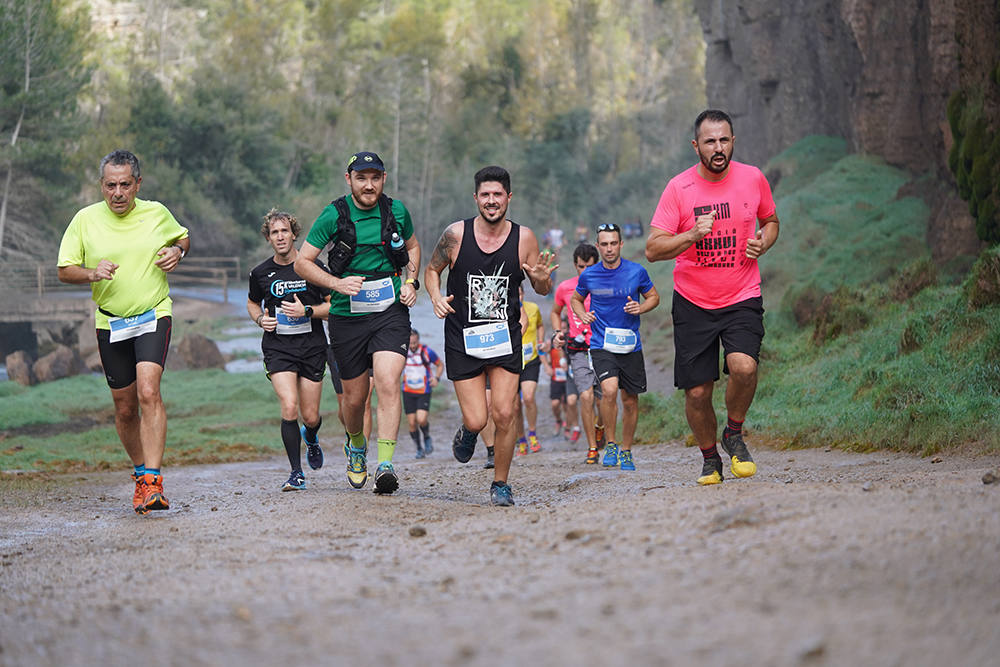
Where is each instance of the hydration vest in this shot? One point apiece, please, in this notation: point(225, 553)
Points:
point(345, 239)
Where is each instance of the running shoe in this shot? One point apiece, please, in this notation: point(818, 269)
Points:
point(501, 495)
point(711, 471)
point(428, 445)
point(559, 428)
point(533, 444)
point(296, 482)
point(357, 465)
point(489, 465)
point(625, 459)
point(574, 435)
point(521, 448)
point(386, 480)
point(420, 454)
point(592, 455)
point(461, 447)
point(153, 498)
point(139, 495)
point(740, 462)
point(599, 436)
point(314, 453)
point(610, 455)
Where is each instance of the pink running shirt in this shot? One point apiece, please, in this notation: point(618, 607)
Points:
point(564, 292)
point(715, 272)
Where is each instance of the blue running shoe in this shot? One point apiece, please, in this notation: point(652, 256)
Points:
point(428, 445)
point(610, 459)
point(386, 480)
point(625, 458)
point(357, 465)
point(501, 495)
point(463, 446)
point(314, 453)
point(296, 482)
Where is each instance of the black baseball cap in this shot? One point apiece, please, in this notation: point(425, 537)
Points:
point(365, 160)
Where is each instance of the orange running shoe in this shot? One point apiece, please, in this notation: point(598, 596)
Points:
point(139, 495)
point(592, 455)
point(533, 444)
point(599, 436)
point(154, 498)
point(521, 448)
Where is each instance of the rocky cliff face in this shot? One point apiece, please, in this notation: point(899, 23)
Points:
point(877, 73)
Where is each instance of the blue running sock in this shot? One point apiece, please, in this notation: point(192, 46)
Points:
point(153, 471)
point(140, 470)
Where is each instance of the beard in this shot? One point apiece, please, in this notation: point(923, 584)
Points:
point(493, 216)
point(711, 166)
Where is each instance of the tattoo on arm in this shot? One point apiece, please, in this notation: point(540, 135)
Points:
point(441, 259)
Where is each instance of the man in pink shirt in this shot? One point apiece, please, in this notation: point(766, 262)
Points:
point(716, 219)
point(577, 342)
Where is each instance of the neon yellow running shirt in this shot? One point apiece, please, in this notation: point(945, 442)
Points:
point(131, 242)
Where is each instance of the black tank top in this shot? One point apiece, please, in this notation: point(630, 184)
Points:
point(485, 286)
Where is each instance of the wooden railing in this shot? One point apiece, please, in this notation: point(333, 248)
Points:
point(26, 276)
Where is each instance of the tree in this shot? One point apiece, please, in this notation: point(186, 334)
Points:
point(41, 75)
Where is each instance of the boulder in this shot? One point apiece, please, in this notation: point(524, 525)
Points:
point(19, 368)
point(197, 351)
point(59, 363)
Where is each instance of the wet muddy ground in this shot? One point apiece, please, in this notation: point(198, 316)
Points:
point(822, 558)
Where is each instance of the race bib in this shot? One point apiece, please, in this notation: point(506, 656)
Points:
point(620, 341)
point(123, 328)
point(527, 350)
point(487, 341)
point(415, 378)
point(288, 325)
point(375, 296)
point(559, 374)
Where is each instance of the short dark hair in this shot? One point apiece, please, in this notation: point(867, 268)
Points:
point(609, 227)
point(118, 158)
point(275, 214)
point(714, 115)
point(493, 174)
point(585, 252)
point(414, 332)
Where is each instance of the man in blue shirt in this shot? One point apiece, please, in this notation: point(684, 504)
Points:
point(614, 286)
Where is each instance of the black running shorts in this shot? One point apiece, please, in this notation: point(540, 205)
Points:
point(698, 332)
point(355, 339)
point(311, 366)
point(331, 361)
point(630, 369)
point(414, 402)
point(530, 372)
point(119, 359)
point(557, 390)
point(461, 366)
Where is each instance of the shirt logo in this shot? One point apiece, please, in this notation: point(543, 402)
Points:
point(488, 296)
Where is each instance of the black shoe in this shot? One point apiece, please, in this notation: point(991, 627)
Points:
point(314, 453)
point(501, 495)
point(462, 449)
point(428, 445)
point(740, 462)
point(711, 471)
point(386, 480)
point(489, 459)
point(420, 454)
point(296, 482)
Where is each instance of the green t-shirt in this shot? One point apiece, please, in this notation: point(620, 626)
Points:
point(131, 242)
point(369, 257)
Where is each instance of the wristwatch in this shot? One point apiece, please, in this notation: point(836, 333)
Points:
point(309, 311)
point(412, 281)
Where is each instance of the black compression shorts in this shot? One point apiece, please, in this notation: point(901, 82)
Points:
point(119, 359)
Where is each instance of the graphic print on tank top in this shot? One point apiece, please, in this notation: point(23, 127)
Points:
point(488, 296)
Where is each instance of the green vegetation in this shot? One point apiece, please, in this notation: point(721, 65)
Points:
point(868, 346)
point(975, 157)
point(213, 416)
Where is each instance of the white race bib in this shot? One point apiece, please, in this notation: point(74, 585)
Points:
point(123, 328)
point(527, 349)
point(288, 325)
point(415, 377)
point(559, 375)
point(375, 296)
point(487, 341)
point(620, 341)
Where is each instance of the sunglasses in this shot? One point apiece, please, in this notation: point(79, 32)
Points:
point(608, 227)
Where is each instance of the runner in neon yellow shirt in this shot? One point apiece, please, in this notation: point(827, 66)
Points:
point(123, 248)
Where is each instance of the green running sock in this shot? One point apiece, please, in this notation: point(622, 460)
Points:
point(357, 440)
point(386, 448)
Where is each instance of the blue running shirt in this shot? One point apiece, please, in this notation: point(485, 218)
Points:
point(608, 290)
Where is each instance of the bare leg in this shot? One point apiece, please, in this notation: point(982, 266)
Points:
point(153, 416)
point(504, 388)
point(701, 415)
point(126, 402)
point(742, 384)
point(630, 417)
point(609, 407)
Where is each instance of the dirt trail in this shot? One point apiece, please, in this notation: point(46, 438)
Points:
point(822, 558)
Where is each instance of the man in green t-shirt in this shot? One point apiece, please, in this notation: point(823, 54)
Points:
point(373, 288)
point(123, 248)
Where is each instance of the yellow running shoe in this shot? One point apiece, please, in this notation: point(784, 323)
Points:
point(357, 465)
point(711, 471)
point(741, 463)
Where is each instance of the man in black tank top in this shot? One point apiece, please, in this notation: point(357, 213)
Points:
point(487, 257)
